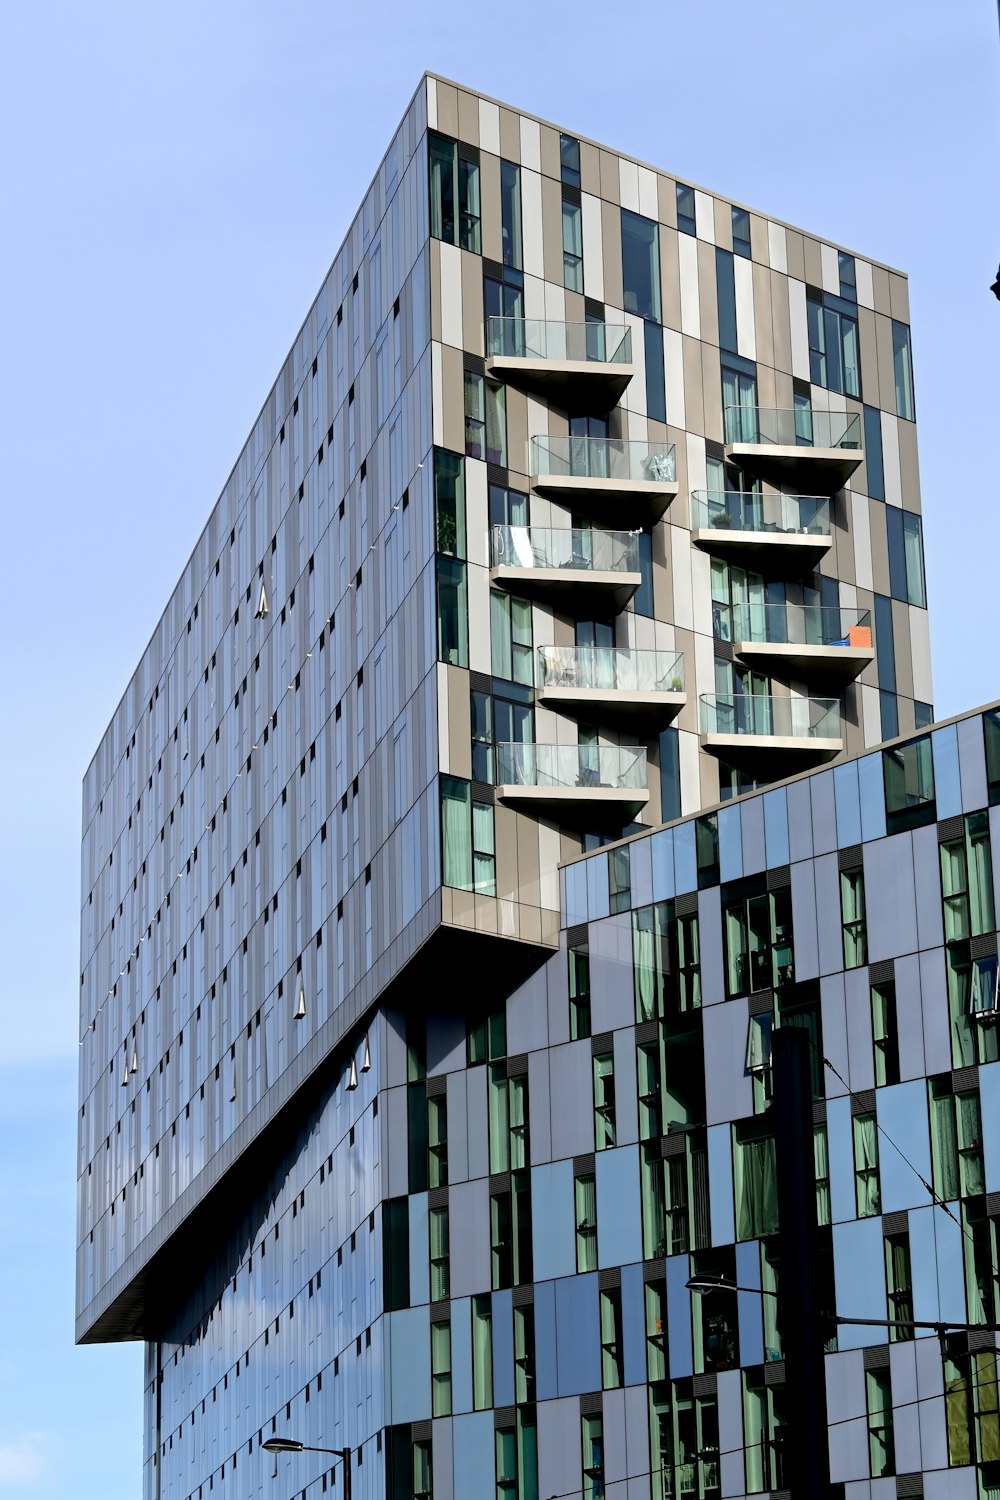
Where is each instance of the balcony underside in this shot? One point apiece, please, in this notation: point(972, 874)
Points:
point(829, 663)
point(818, 471)
point(587, 386)
point(574, 591)
point(766, 551)
point(649, 710)
point(578, 806)
point(624, 502)
point(771, 755)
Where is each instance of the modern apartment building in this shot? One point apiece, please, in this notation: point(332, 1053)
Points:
point(585, 502)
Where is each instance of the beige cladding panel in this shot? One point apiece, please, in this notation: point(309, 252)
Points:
point(763, 321)
point(909, 474)
point(666, 197)
point(611, 233)
point(550, 153)
point(453, 393)
point(670, 280)
point(610, 177)
point(780, 325)
point(459, 724)
point(510, 135)
point(723, 217)
point(447, 109)
point(468, 117)
point(489, 187)
point(590, 169)
point(759, 240)
point(901, 648)
point(795, 260)
point(899, 297)
point(694, 396)
point(473, 325)
point(885, 363)
point(880, 287)
point(812, 261)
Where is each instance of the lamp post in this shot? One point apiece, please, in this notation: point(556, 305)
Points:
point(701, 1285)
point(278, 1445)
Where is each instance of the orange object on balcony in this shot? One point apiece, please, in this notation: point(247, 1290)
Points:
point(860, 635)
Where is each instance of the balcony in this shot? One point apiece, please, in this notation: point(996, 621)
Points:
point(587, 573)
point(612, 684)
point(579, 367)
point(771, 737)
point(769, 533)
point(587, 785)
point(811, 450)
point(611, 479)
point(803, 640)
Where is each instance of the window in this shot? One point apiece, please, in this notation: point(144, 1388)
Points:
point(508, 1119)
point(821, 1172)
point(982, 1263)
point(833, 345)
point(619, 879)
point(579, 993)
point(593, 1458)
point(604, 1102)
point(903, 370)
point(885, 1035)
point(585, 1198)
point(507, 507)
point(482, 1352)
point(641, 265)
point(396, 1253)
point(511, 638)
point(611, 1338)
point(674, 1194)
point(739, 400)
point(524, 1353)
point(706, 848)
point(760, 1030)
point(439, 1253)
point(725, 280)
point(510, 1233)
point(763, 1420)
point(956, 1143)
point(452, 583)
point(487, 1038)
point(874, 467)
point(416, 1100)
point(685, 209)
point(485, 420)
point(881, 1448)
point(423, 1469)
point(906, 556)
point(967, 897)
point(754, 1182)
point(569, 160)
point(505, 299)
point(656, 389)
point(572, 233)
point(741, 232)
point(410, 1466)
point(437, 1141)
point(656, 1329)
point(454, 193)
point(738, 602)
point(848, 276)
point(869, 1198)
point(441, 1369)
point(899, 1286)
point(908, 778)
point(510, 213)
point(758, 931)
point(517, 1459)
point(852, 912)
point(666, 961)
point(468, 853)
point(714, 1317)
point(991, 736)
point(498, 720)
point(972, 1409)
point(670, 775)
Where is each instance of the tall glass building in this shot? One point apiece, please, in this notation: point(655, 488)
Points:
point(466, 1014)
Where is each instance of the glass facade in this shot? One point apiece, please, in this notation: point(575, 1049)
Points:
point(403, 1128)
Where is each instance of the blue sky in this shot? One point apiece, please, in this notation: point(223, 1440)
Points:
point(176, 179)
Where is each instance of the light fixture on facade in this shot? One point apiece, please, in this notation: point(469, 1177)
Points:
point(352, 1078)
point(300, 1008)
point(125, 1072)
point(134, 1068)
point(366, 1065)
point(262, 604)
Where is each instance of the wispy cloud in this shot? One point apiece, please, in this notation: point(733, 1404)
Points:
point(22, 1459)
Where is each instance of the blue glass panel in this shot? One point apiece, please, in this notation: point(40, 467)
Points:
point(947, 780)
point(662, 845)
point(726, 285)
point(902, 1115)
point(472, 1438)
point(546, 1383)
point(619, 1216)
point(840, 1151)
point(848, 801)
point(936, 1266)
point(872, 789)
point(873, 453)
point(578, 1335)
point(751, 1324)
point(503, 1349)
point(598, 900)
point(720, 1184)
point(776, 828)
point(730, 844)
point(634, 1324)
point(685, 859)
point(859, 1270)
point(680, 1354)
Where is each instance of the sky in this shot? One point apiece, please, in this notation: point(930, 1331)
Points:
point(176, 179)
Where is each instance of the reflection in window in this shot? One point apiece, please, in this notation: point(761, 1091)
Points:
point(881, 1447)
point(611, 1338)
point(468, 850)
point(741, 232)
point(991, 735)
point(441, 1369)
point(605, 1135)
point(524, 1353)
point(569, 160)
point(685, 209)
point(758, 930)
point(437, 1141)
point(956, 1143)
point(972, 1409)
point(906, 556)
point(439, 1254)
point(666, 961)
point(821, 1172)
point(511, 638)
point(579, 993)
point(755, 1182)
point(885, 1035)
point(482, 1352)
point(641, 265)
point(899, 1286)
point(510, 213)
point(763, 1420)
point(485, 420)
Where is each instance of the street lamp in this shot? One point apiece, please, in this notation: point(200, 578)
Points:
point(278, 1445)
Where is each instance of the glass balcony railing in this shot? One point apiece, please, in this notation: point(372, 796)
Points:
point(610, 669)
point(582, 551)
point(785, 718)
point(544, 338)
point(802, 625)
point(798, 427)
point(616, 767)
point(777, 515)
point(604, 459)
